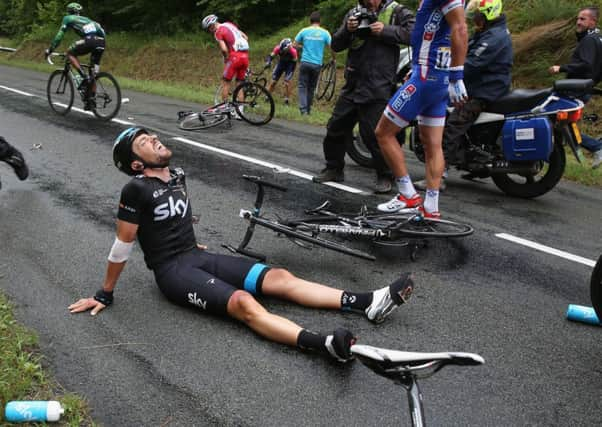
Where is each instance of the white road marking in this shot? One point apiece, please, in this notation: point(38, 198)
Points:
point(269, 165)
point(20, 92)
point(547, 249)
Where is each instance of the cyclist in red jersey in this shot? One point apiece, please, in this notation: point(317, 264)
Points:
point(234, 46)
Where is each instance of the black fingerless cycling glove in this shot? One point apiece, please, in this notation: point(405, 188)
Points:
point(104, 297)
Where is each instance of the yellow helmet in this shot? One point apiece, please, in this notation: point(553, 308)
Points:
point(491, 9)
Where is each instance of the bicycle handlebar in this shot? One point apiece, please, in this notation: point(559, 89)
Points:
point(49, 60)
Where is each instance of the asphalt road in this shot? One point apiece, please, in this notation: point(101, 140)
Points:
point(144, 361)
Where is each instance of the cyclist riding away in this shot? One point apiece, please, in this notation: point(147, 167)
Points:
point(287, 62)
point(234, 46)
point(14, 158)
point(92, 42)
point(437, 77)
point(154, 207)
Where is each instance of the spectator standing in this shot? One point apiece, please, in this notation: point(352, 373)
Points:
point(370, 77)
point(313, 40)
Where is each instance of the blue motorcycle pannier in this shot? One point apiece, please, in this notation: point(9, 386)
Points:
point(528, 139)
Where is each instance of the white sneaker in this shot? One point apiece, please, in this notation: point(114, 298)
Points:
point(387, 299)
point(400, 202)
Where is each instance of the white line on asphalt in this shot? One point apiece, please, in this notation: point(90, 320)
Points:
point(20, 92)
point(269, 165)
point(547, 249)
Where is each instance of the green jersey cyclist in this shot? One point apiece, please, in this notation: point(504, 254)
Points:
point(92, 41)
point(154, 208)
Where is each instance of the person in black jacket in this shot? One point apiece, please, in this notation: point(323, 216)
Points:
point(586, 63)
point(370, 77)
point(14, 158)
point(487, 75)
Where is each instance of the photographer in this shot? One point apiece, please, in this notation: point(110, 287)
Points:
point(372, 32)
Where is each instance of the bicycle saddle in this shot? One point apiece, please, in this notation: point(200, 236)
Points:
point(394, 363)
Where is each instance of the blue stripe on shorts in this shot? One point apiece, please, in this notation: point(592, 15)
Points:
point(253, 276)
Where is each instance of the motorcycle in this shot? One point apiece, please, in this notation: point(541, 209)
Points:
point(519, 140)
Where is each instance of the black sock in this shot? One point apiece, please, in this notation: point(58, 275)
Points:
point(355, 301)
point(311, 341)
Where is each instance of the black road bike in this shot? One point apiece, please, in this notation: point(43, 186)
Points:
point(102, 94)
point(250, 76)
point(321, 227)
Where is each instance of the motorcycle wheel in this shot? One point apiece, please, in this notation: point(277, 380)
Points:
point(359, 153)
point(596, 288)
point(530, 186)
point(357, 150)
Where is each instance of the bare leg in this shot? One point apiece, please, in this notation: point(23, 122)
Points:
point(287, 89)
point(386, 132)
point(282, 284)
point(244, 307)
point(75, 62)
point(225, 90)
point(431, 138)
point(271, 86)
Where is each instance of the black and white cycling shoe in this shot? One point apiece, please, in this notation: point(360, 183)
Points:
point(15, 159)
point(339, 345)
point(387, 299)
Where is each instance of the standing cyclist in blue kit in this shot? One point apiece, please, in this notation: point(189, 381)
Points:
point(154, 208)
point(439, 43)
point(92, 42)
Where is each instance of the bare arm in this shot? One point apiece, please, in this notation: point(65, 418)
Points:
point(459, 36)
point(126, 232)
point(223, 49)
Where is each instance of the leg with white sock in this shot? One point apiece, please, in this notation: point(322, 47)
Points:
point(431, 137)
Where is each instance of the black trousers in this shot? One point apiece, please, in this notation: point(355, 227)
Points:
point(340, 126)
point(456, 125)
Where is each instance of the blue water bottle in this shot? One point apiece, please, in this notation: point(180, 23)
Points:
point(580, 313)
point(33, 411)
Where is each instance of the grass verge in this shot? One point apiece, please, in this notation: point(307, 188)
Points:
point(22, 376)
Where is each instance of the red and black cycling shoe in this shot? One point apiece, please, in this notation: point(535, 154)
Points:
point(429, 215)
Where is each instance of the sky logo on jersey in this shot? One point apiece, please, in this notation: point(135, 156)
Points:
point(192, 299)
point(403, 97)
point(171, 209)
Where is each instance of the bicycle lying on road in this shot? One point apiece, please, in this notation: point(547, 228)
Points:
point(404, 229)
point(102, 94)
point(405, 368)
point(250, 101)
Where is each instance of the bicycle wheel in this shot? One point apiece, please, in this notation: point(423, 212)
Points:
point(293, 232)
point(202, 120)
point(59, 92)
point(107, 97)
point(257, 105)
point(332, 81)
point(402, 226)
point(596, 288)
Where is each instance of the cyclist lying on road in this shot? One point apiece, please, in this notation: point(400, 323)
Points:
point(154, 207)
point(93, 42)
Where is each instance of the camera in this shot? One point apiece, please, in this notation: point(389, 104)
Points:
point(365, 17)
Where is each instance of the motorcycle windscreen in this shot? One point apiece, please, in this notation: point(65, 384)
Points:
point(528, 139)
